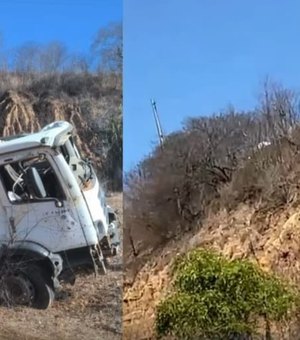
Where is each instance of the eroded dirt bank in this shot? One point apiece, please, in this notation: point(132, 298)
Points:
point(271, 238)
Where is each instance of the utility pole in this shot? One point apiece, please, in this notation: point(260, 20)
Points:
point(158, 124)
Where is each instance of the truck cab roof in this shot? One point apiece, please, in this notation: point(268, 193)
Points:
point(52, 135)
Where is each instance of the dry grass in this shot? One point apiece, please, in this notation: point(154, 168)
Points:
point(90, 102)
point(92, 309)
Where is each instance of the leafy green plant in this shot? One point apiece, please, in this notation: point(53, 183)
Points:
point(216, 298)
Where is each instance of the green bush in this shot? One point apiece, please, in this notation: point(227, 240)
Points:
point(215, 298)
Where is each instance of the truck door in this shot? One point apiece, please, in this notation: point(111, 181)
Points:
point(44, 217)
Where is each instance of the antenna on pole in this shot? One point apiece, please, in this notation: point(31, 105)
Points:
point(158, 124)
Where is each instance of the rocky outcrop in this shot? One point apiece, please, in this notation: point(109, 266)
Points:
point(269, 238)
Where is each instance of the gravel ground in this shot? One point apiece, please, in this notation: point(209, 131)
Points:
point(91, 310)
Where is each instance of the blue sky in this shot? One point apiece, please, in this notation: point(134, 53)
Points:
point(74, 22)
point(196, 57)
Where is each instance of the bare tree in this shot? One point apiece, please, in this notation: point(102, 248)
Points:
point(107, 48)
point(279, 108)
point(213, 162)
point(34, 58)
point(27, 58)
point(77, 63)
point(52, 57)
point(3, 56)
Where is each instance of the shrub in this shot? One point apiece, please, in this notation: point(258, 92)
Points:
point(216, 298)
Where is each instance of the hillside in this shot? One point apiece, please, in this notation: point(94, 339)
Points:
point(223, 192)
point(92, 103)
point(271, 239)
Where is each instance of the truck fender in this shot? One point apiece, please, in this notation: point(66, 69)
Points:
point(27, 251)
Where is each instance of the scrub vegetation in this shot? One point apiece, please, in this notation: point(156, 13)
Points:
point(215, 298)
point(42, 83)
point(232, 186)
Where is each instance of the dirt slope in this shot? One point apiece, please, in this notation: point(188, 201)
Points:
point(22, 112)
point(271, 238)
point(92, 310)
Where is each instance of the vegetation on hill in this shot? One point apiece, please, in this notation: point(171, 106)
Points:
point(215, 162)
point(48, 82)
point(215, 298)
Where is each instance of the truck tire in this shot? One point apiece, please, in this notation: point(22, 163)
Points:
point(29, 286)
point(43, 292)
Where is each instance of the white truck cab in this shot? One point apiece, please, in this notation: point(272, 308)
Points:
point(53, 215)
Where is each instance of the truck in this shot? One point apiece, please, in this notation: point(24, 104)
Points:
point(54, 218)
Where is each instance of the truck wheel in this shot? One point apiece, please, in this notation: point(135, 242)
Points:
point(29, 287)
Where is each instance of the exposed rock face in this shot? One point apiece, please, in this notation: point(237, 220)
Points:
point(271, 239)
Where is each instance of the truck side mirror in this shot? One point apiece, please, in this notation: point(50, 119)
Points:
point(35, 184)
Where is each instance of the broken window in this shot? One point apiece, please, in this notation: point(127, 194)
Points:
point(81, 168)
point(65, 153)
point(31, 179)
